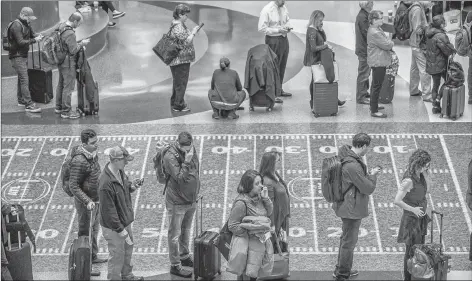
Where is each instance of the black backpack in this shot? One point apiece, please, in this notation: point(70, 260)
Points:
point(401, 23)
point(6, 35)
point(455, 74)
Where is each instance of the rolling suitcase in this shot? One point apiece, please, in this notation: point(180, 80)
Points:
point(453, 102)
point(439, 260)
point(80, 256)
point(388, 90)
point(40, 81)
point(19, 224)
point(87, 88)
point(260, 99)
point(19, 256)
point(325, 99)
point(207, 258)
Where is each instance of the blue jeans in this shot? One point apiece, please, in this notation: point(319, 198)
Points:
point(20, 65)
point(83, 216)
point(65, 87)
point(119, 264)
point(347, 244)
point(178, 235)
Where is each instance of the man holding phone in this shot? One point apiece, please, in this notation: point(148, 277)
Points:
point(181, 164)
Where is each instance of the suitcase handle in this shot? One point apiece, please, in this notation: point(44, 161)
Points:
point(7, 220)
point(433, 212)
point(200, 198)
point(39, 55)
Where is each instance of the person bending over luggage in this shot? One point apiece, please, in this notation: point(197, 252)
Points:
point(20, 37)
point(253, 200)
point(83, 183)
point(226, 93)
point(411, 197)
point(278, 194)
point(378, 58)
point(469, 201)
point(438, 50)
point(315, 43)
point(67, 74)
point(116, 214)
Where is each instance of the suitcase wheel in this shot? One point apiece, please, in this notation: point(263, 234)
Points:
point(196, 278)
point(454, 118)
point(441, 116)
point(316, 115)
point(334, 114)
point(251, 108)
point(219, 272)
point(269, 109)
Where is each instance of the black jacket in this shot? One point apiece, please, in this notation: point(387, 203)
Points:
point(116, 207)
point(84, 174)
point(438, 49)
point(21, 36)
point(362, 26)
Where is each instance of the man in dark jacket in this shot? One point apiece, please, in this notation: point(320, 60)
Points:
point(116, 214)
point(182, 188)
point(20, 37)
point(83, 183)
point(469, 201)
point(67, 68)
point(357, 185)
point(363, 70)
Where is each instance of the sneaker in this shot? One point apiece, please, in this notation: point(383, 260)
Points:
point(132, 277)
point(354, 272)
point(58, 111)
point(428, 98)
point(216, 115)
point(417, 94)
point(187, 262)
point(180, 271)
point(70, 115)
point(21, 104)
point(95, 272)
point(118, 14)
point(232, 115)
point(32, 108)
point(341, 103)
point(185, 109)
point(111, 24)
point(99, 260)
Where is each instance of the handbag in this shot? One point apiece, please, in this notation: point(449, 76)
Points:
point(224, 241)
point(168, 48)
point(319, 73)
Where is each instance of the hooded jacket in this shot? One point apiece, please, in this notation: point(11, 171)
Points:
point(356, 184)
point(21, 36)
point(438, 49)
point(116, 207)
point(84, 175)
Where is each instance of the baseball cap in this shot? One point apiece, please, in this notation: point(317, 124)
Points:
point(28, 12)
point(119, 152)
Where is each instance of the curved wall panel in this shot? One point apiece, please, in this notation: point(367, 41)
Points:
point(47, 13)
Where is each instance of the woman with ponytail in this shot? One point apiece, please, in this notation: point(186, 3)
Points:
point(226, 93)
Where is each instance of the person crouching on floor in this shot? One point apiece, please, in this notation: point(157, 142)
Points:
point(226, 93)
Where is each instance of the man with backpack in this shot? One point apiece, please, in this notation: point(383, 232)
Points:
point(20, 36)
point(356, 185)
point(67, 71)
point(181, 165)
point(463, 45)
point(84, 172)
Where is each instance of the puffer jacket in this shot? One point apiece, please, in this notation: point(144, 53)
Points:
point(84, 175)
point(438, 49)
point(356, 184)
point(378, 48)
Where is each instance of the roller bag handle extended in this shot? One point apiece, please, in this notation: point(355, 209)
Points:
point(39, 56)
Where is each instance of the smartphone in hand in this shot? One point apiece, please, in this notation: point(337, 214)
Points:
point(200, 26)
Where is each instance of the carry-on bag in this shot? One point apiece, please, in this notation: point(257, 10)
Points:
point(437, 265)
point(18, 255)
point(281, 269)
point(388, 90)
point(207, 258)
point(40, 81)
point(80, 256)
point(260, 99)
point(325, 99)
point(18, 223)
point(453, 102)
point(88, 102)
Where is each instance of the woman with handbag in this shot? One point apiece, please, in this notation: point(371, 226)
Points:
point(315, 43)
point(180, 66)
point(378, 58)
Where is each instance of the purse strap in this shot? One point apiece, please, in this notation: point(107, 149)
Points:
point(171, 27)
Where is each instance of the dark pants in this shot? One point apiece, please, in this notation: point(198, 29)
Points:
point(83, 216)
point(107, 5)
point(280, 46)
point(20, 65)
point(347, 244)
point(378, 76)
point(180, 74)
point(6, 273)
point(414, 240)
point(436, 83)
point(65, 86)
point(470, 248)
point(363, 73)
point(469, 78)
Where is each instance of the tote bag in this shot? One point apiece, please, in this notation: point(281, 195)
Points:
point(168, 48)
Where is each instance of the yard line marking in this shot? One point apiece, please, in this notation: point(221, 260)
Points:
point(200, 157)
point(312, 189)
point(456, 182)
point(143, 169)
point(68, 231)
point(164, 217)
point(53, 191)
point(255, 160)
point(32, 170)
point(393, 162)
point(11, 158)
point(283, 156)
point(226, 181)
point(445, 187)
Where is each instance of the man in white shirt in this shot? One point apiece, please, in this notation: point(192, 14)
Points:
point(274, 22)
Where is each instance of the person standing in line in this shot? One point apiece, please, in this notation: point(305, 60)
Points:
point(357, 185)
point(274, 22)
point(469, 201)
point(363, 70)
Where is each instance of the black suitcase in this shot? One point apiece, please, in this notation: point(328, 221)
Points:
point(80, 256)
point(325, 99)
point(40, 81)
point(388, 90)
point(207, 258)
point(18, 255)
point(260, 99)
point(19, 224)
point(87, 97)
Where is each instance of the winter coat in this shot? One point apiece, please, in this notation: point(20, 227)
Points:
point(116, 207)
point(315, 43)
point(417, 17)
point(84, 175)
point(184, 182)
point(438, 49)
point(357, 185)
point(362, 26)
point(21, 36)
point(378, 48)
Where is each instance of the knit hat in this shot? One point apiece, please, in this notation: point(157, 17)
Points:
point(468, 19)
point(437, 21)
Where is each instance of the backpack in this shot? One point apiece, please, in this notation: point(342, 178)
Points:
point(419, 265)
point(6, 35)
point(65, 174)
point(401, 23)
point(161, 149)
point(331, 179)
point(53, 51)
point(462, 43)
point(421, 37)
point(455, 74)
